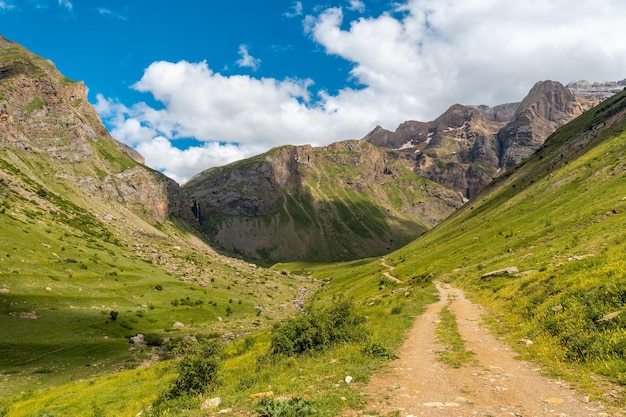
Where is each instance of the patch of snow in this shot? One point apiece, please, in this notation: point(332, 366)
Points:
point(408, 145)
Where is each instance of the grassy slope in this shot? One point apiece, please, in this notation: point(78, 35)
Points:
point(344, 208)
point(559, 218)
point(64, 268)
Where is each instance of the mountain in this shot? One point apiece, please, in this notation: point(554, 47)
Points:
point(352, 200)
point(45, 116)
point(96, 248)
point(344, 201)
point(556, 220)
point(468, 146)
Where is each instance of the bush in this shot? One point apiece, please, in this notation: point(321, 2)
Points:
point(376, 350)
point(197, 369)
point(294, 407)
point(318, 330)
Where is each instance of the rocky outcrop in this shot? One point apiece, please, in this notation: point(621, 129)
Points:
point(344, 201)
point(45, 113)
point(598, 91)
point(468, 146)
point(547, 106)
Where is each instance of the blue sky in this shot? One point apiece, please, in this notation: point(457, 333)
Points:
point(195, 84)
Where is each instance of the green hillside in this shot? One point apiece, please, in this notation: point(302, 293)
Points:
point(560, 219)
point(345, 201)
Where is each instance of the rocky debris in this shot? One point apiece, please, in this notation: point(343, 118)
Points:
point(211, 403)
point(500, 272)
point(178, 325)
point(30, 315)
point(526, 342)
point(137, 339)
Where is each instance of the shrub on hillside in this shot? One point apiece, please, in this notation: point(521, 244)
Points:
point(318, 329)
point(197, 369)
point(294, 407)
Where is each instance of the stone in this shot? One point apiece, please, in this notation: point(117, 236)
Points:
point(211, 403)
point(348, 379)
point(504, 271)
point(608, 317)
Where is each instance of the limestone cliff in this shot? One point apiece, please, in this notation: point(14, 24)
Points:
point(48, 116)
point(468, 146)
point(547, 106)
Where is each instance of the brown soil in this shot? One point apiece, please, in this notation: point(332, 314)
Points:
point(496, 384)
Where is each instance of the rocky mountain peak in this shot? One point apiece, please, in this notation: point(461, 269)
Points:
point(547, 106)
point(45, 115)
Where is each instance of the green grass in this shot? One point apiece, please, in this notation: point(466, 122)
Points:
point(559, 218)
point(447, 332)
point(35, 104)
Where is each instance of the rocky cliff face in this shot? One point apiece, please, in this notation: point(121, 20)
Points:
point(547, 106)
point(468, 146)
point(344, 201)
point(46, 114)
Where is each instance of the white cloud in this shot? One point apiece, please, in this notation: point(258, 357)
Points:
point(411, 62)
point(181, 165)
point(246, 59)
point(6, 6)
point(357, 5)
point(66, 4)
point(108, 12)
point(295, 10)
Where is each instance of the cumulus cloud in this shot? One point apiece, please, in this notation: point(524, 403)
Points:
point(246, 59)
point(411, 62)
point(357, 5)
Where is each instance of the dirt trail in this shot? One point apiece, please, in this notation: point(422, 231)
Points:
point(496, 385)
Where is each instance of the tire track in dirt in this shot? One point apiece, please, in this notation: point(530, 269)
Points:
point(497, 384)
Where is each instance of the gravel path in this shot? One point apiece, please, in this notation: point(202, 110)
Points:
point(497, 384)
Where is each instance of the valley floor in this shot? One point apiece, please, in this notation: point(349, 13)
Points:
point(494, 383)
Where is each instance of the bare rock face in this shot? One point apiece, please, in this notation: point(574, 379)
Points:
point(45, 113)
point(468, 146)
point(547, 106)
point(598, 91)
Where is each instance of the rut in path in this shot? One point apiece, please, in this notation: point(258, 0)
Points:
point(496, 384)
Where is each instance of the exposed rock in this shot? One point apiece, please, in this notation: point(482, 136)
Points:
point(504, 271)
point(608, 317)
point(468, 146)
point(43, 112)
point(598, 91)
point(211, 403)
point(300, 202)
point(547, 106)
